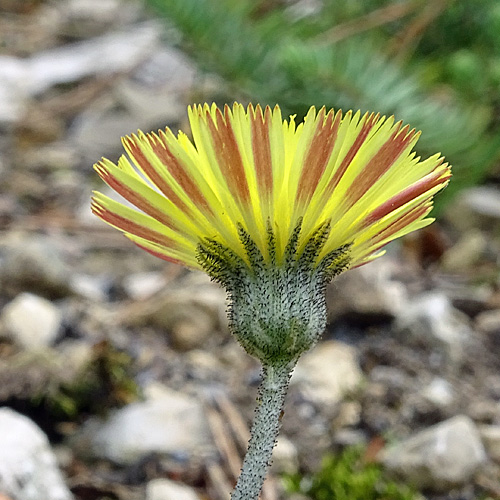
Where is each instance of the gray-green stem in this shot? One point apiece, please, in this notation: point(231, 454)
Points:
point(265, 428)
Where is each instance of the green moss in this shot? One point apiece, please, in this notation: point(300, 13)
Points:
point(104, 383)
point(347, 477)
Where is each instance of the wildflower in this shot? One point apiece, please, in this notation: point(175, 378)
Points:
point(250, 169)
point(272, 210)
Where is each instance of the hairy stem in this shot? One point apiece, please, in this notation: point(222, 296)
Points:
point(265, 428)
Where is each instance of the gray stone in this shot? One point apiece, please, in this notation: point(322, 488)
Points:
point(490, 434)
point(141, 286)
point(489, 322)
point(166, 422)
point(190, 315)
point(164, 489)
point(28, 469)
point(154, 96)
point(439, 392)
point(439, 458)
point(465, 253)
point(285, 457)
point(31, 321)
point(327, 372)
point(431, 319)
point(366, 295)
point(34, 264)
point(23, 78)
point(475, 207)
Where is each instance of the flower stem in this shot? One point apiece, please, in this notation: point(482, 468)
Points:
point(265, 428)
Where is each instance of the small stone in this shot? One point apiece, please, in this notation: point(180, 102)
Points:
point(189, 316)
point(140, 286)
point(490, 434)
point(489, 322)
point(28, 469)
point(34, 264)
point(328, 372)
point(285, 457)
point(465, 253)
point(164, 489)
point(441, 457)
point(439, 392)
point(31, 321)
point(431, 319)
point(166, 422)
point(349, 437)
point(366, 296)
point(476, 207)
point(91, 287)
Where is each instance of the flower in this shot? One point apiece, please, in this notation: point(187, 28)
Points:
point(251, 168)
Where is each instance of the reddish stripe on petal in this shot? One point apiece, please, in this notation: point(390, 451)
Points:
point(131, 227)
point(261, 148)
point(410, 217)
point(133, 197)
point(150, 171)
point(228, 154)
point(159, 254)
point(408, 194)
point(379, 164)
point(402, 222)
point(319, 153)
point(176, 168)
point(358, 142)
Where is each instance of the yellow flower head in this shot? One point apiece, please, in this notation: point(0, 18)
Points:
point(250, 171)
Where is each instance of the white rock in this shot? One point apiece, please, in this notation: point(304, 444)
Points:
point(189, 315)
point(28, 469)
point(285, 457)
point(167, 422)
point(328, 372)
point(431, 318)
point(367, 294)
point(439, 392)
point(466, 252)
point(490, 434)
point(164, 489)
point(36, 264)
point(143, 285)
point(441, 457)
point(31, 321)
point(483, 200)
point(475, 207)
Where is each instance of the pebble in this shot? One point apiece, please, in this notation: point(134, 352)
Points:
point(328, 372)
point(441, 457)
point(32, 322)
point(285, 457)
point(439, 392)
point(28, 469)
point(432, 320)
point(475, 207)
point(366, 296)
point(166, 422)
point(465, 253)
point(189, 316)
point(140, 286)
point(164, 489)
point(154, 96)
point(490, 434)
point(489, 322)
point(34, 264)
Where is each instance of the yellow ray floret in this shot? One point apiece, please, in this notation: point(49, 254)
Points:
point(249, 168)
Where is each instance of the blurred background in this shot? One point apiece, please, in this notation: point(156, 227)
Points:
point(118, 376)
